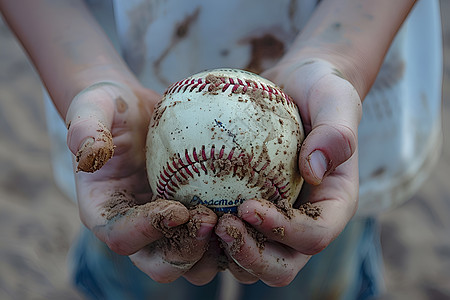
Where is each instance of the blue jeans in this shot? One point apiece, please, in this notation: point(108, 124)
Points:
point(349, 268)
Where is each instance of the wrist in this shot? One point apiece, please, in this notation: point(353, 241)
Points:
point(84, 78)
point(352, 36)
point(348, 64)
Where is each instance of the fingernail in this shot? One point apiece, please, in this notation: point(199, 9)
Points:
point(88, 142)
point(204, 231)
point(231, 238)
point(318, 164)
point(169, 214)
point(169, 223)
point(224, 236)
point(253, 218)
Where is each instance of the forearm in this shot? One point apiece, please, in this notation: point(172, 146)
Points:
point(354, 35)
point(66, 45)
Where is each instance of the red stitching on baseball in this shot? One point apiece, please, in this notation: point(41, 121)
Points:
point(177, 172)
point(223, 83)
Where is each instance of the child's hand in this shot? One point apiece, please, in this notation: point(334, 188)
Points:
point(108, 125)
point(331, 110)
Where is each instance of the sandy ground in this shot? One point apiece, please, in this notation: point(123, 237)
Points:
point(38, 223)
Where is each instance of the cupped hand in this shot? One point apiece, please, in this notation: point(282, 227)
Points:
point(107, 128)
point(279, 242)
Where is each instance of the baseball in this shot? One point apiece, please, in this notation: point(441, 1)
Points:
point(221, 137)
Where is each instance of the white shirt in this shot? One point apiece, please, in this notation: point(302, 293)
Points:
point(164, 41)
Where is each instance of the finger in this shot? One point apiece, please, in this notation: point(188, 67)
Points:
point(89, 120)
point(330, 109)
point(213, 261)
point(335, 112)
point(324, 149)
point(240, 274)
point(172, 256)
point(128, 227)
point(273, 263)
point(311, 226)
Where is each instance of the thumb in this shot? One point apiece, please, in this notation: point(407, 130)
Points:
point(325, 148)
point(335, 111)
point(89, 120)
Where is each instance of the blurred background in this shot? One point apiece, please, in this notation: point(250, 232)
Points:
point(38, 223)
